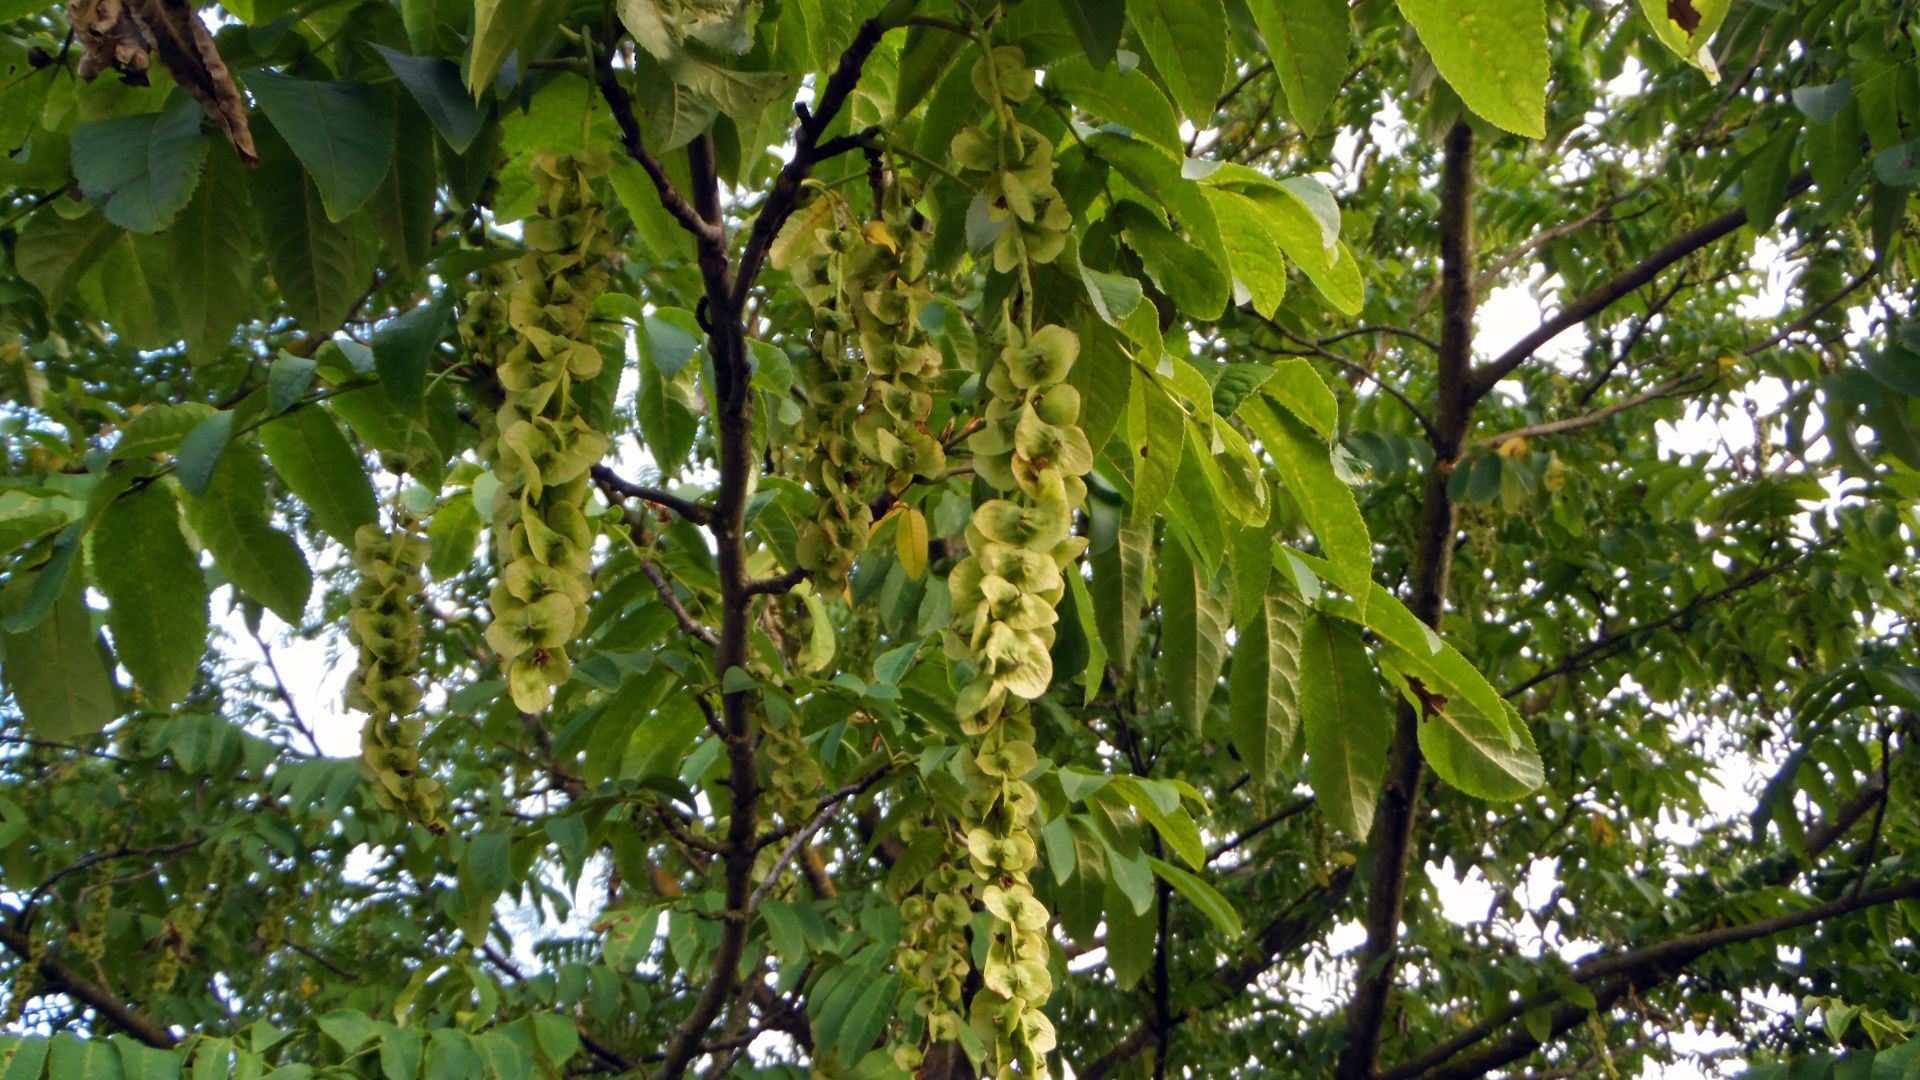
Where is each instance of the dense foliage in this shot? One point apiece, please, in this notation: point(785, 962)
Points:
point(950, 539)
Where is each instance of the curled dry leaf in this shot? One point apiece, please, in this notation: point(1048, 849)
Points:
point(123, 35)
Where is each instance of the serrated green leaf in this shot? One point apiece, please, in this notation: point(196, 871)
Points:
point(1348, 721)
point(403, 205)
point(435, 83)
point(1307, 42)
point(313, 457)
point(288, 380)
point(54, 251)
point(1202, 895)
point(403, 350)
point(1120, 575)
point(141, 170)
point(319, 267)
point(1264, 682)
point(157, 600)
point(1306, 468)
point(212, 249)
point(341, 131)
point(1297, 386)
point(350, 1029)
point(54, 668)
point(1129, 99)
point(201, 450)
point(74, 1058)
point(1493, 53)
point(159, 429)
point(1187, 42)
point(23, 1059)
point(1193, 645)
point(230, 519)
point(401, 1049)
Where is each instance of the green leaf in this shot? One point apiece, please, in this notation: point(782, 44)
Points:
point(1486, 758)
point(201, 451)
point(450, 1056)
point(1349, 724)
point(157, 600)
point(404, 349)
point(1114, 296)
point(1120, 576)
point(485, 869)
point(288, 380)
point(319, 267)
point(1156, 436)
point(1098, 25)
point(313, 457)
point(22, 1059)
point(1763, 183)
point(1264, 683)
point(403, 205)
point(434, 82)
point(212, 250)
point(1284, 219)
point(1188, 274)
point(49, 580)
point(557, 1036)
point(1150, 799)
point(925, 56)
point(231, 520)
point(453, 532)
point(867, 1017)
point(401, 1049)
point(1131, 936)
point(1688, 45)
point(1129, 99)
point(160, 429)
point(141, 170)
point(341, 131)
point(1494, 55)
point(501, 27)
point(1306, 468)
point(74, 1058)
point(1297, 386)
point(631, 933)
point(54, 251)
point(1259, 268)
point(1193, 628)
point(348, 1028)
point(1202, 895)
point(1307, 41)
point(1187, 42)
point(55, 669)
point(141, 1062)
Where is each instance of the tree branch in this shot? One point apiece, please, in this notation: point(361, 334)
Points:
point(1622, 285)
point(620, 103)
point(617, 489)
point(95, 996)
point(1394, 823)
point(693, 627)
point(1620, 638)
point(1680, 387)
point(1620, 974)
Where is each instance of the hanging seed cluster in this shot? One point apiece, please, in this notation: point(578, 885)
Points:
point(1015, 164)
point(870, 377)
point(932, 957)
point(1021, 546)
point(384, 621)
point(545, 446)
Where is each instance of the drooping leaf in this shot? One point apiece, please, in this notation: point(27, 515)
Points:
point(434, 82)
point(319, 266)
point(230, 518)
point(1214, 906)
point(313, 457)
point(1187, 42)
point(1493, 53)
point(1264, 681)
point(54, 669)
point(141, 170)
point(54, 251)
point(1348, 722)
point(341, 131)
point(211, 244)
point(156, 599)
point(1193, 644)
point(1307, 42)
